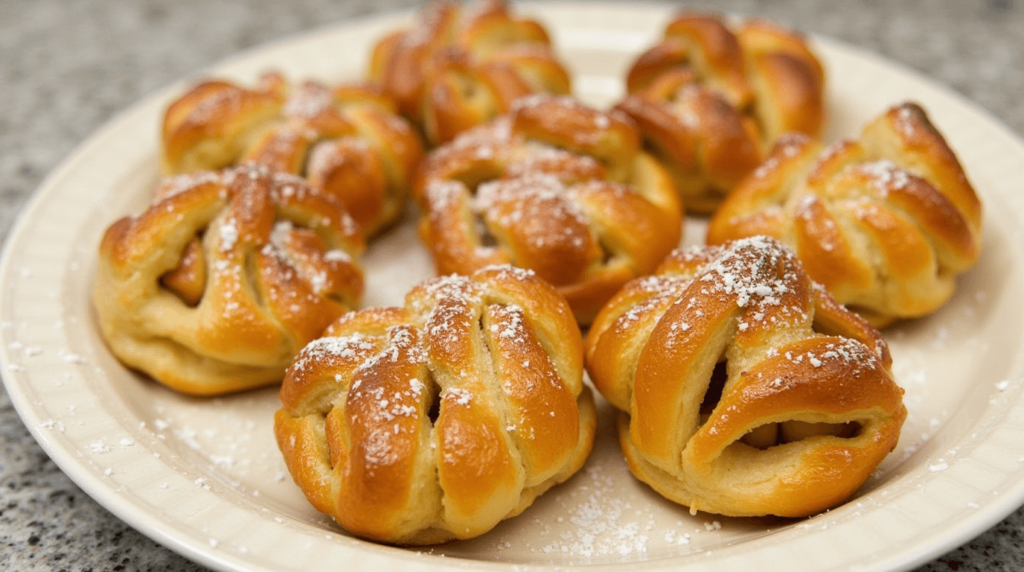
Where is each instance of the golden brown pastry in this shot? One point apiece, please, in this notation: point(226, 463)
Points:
point(225, 277)
point(458, 67)
point(711, 98)
point(347, 141)
point(436, 420)
point(885, 222)
point(556, 187)
point(745, 389)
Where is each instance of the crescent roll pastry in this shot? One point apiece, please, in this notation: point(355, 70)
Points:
point(710, 99)
point(458, 67)
point(885, 223)
point(556, 187)
point(438, 419)
point(745, 389)
point(346, 141)
point(225, 277)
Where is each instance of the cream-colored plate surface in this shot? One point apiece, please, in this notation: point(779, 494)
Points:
point(205, 478)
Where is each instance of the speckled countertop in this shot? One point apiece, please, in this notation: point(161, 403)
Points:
point(67, 67)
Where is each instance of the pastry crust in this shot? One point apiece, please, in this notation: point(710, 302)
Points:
point(347, 141)
point(711, 98)
point(436, 420)
point(218, 284)
point(459, 67)
point(807, 406)
point(556, 187)
point(885, 222)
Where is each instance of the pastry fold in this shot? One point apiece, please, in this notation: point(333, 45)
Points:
point(437, 420)
point(745, 389)
point(885, 222)
point(225, 277)
point(554, 186)
point(711, 98)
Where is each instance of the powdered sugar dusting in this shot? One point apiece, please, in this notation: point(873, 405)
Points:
point(787, 147)
point(323, 350)
point(509, 202)
point(605, 524)
point(443, 194)
point(747, 270)
point(591, 124)
point(224, 102)
point(885, 175)
point(448, 304)
point(457, 395)
point(452, 287)
point(337, 255)
point(660, 289)
point(596, 520)
point(507, 271)
point(172, 186)
point(535, 157)
point(513, 323)
point(309, 100)
point(228, 233)
point(402, 346)
point(906, 121)
point(853, 356)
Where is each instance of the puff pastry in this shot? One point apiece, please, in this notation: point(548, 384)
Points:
point(554, 186)
point(885, 222)
point(225, 277)
point(458, 67)
point(347, 141)
point(711, 98)
point(745, 389)
point(436, 420)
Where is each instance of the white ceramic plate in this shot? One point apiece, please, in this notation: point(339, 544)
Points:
point(205, 478)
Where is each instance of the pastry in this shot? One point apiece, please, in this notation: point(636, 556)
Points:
point(745, 389)
point(225, 277)
point(710, 99)
point(458, 67)
point(346, 141)
point(553, 186)
point(438, 419)
point(885, 222)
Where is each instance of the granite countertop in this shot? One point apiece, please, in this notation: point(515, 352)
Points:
point(68, 67)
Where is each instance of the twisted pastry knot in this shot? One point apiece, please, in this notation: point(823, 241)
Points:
point(710, 100)
point(745, 388)
point(219, 283)
point(347, 141)
point(437, 420)
point(885, 223)
point(556, 187)
point(457, 68)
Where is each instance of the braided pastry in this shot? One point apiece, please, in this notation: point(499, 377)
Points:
point(347, 141)
point(220, 282)
point(710, 100)
point(458, 68)
point(745, 388)
point(556, 187)
point(437, 420)
point(886, 223)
